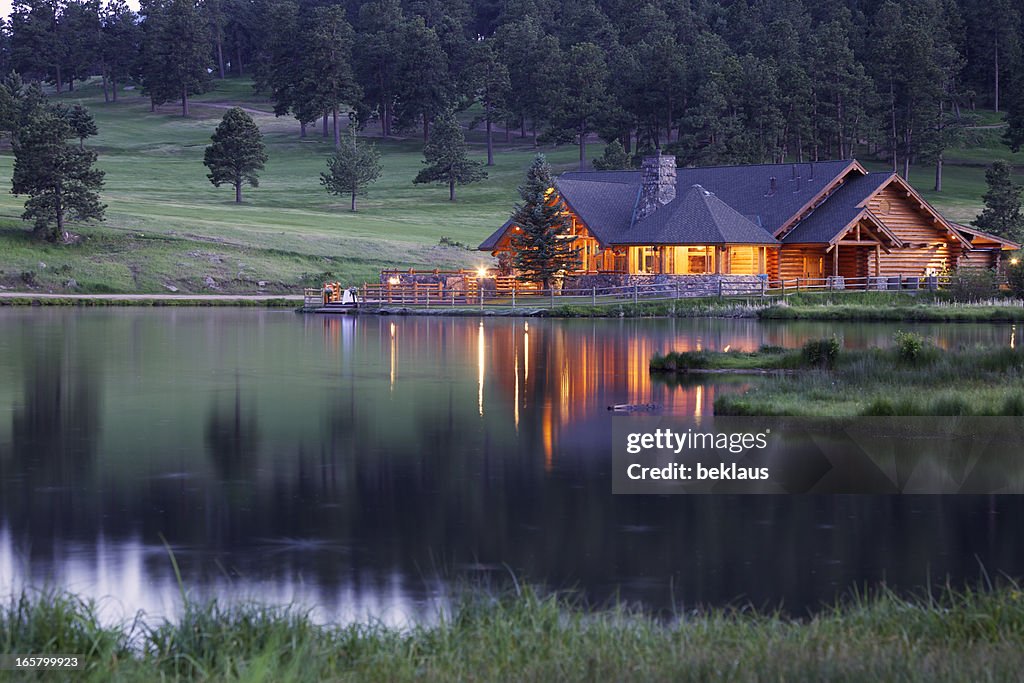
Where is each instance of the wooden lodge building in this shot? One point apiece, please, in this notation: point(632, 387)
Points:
point(828, 221)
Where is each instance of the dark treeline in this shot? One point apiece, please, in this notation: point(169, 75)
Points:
point(712, 81)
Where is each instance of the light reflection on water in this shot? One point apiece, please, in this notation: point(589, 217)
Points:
point(365, 466)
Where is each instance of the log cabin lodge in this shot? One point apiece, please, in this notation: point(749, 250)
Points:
point(831, 221)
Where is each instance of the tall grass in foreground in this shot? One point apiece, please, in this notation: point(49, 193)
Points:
point(958, 635)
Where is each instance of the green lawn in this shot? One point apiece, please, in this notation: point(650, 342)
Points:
point(167, 226)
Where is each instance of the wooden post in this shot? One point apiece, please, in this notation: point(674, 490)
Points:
point(513, 297)
point(552, 292)
point(835, 261)
point(720, 283)
point(798, 284)
point(636, 293)
point(593, 296)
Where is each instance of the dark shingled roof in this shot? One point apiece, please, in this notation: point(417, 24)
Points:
point(697, 217)
point(491, 242)
point(742, 207)
point(840, 209)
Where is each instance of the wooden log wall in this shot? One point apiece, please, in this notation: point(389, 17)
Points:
point(927, 243)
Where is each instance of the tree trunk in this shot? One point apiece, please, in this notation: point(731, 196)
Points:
point(60, 80)
point(238, 190)
point(220, 56)
point(152, 104)
point(71, 84)
point(490, 143)
point(522, 127)
point(325, 133)
point(106, 90)
point(451, 190)
point(353, 201)
point(58, 205)
point(184, 101)
point(583, 148)
point(113, 88)
point(302, 129)
point(938, 174)
point(426, 127)
point(892, 107)
point(337, 131)
point(239, 51)
point(996, 76)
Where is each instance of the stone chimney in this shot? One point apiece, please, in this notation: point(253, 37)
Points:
point(658, 183)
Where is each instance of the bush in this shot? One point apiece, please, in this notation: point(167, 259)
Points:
point(1015, 274)
point(821, 353)
point(909, 345)
point(1014, 405)
point(973, 284)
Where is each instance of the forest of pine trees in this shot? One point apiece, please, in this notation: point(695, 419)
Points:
point(712, 81)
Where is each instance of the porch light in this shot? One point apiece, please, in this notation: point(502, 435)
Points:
point(393, 280)
point(481, 272)
point(1014, 261)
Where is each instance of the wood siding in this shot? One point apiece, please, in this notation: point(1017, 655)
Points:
point(927, 243)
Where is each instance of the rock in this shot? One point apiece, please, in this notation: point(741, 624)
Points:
point(171, 288)
point(71, 284)
point(42, 265)
point(216, 259)
point(210, 282)
point(262, 283)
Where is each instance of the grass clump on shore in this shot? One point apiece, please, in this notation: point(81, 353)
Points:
point(913, 377)
point(955, 635)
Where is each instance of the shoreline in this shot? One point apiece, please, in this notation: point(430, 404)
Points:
point(808, 308)
point(944, 634)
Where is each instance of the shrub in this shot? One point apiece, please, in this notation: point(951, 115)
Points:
point(950, 405)
point(1015, 274)
point(909, 345)
point(29, 278)
point(1014, 405)
point(821, 352)
point(973, 284)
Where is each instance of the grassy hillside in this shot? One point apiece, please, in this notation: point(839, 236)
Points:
point(168, 227)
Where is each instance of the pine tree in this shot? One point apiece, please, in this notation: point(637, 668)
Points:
point(542, 241)
point(582, 95)
point(176, 51)
point(328, 79)
point(446, 159)
point(613, 159)
point(1014, 135)
point(82, 123)
point(1002, 215)
point(119, 44)
point(60, 178)
point(353, 166)
point(237, 152)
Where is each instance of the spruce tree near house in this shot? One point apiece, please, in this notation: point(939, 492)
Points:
point(446, 159)
point(1002, 215)
point(542, 241)
point(60, 178)
point(353, 166)
point(237, 153)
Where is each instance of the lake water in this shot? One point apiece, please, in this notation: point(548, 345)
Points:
point(366, 466)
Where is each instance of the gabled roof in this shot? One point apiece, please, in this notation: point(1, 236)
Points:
point(844, 206)
point(977, 235)
point(697, 217)
point(747, 189)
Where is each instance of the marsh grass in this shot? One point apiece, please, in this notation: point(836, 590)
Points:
point(528, 636)
point(914, 377)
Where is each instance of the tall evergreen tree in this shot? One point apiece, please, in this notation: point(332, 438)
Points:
point(489, 84)
point(60, 179)
point(236, 154)
point(328, 78)
point(119, 45)
point(377, 58)
point(1014, 134)
point(37, 52)
point(422, 84)
point(176, 51)
point(580, 95)
point(446, 159)
point(543, 244)
point(1002, 215)
point(353, 166)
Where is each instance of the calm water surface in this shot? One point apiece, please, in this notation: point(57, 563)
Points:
point(365, 466)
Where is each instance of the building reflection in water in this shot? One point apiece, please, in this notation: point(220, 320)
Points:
point(289, 453)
